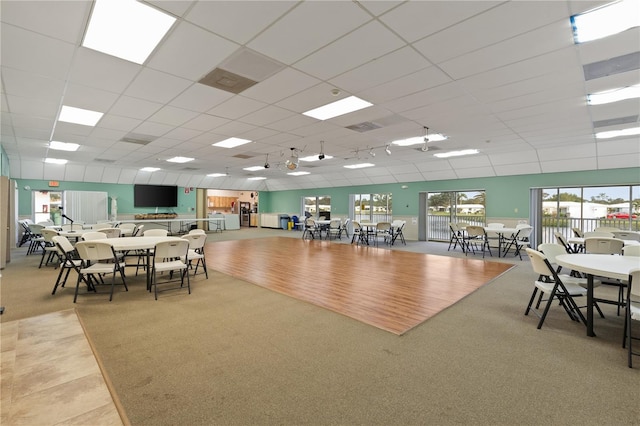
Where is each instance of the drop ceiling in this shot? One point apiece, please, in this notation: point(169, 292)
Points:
point(502, 77)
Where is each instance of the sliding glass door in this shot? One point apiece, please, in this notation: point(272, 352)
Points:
point(453, 206)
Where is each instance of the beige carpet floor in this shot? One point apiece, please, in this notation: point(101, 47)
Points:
point(233, 353)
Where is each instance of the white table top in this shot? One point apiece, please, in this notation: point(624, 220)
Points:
point(136, 243)
point(501, 231)
point(73, 233)
point(580, 241)
point(192, 219)
point(606, 265)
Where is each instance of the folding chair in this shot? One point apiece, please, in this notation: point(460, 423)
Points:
point(310, 228)
point(345, 227)
point(613, 246)
point(168, 257)
point(632, 313)
point(477, 235)
point(95, 255)
point(456, 237)
point(358, 236)
point(196, 252)
point(49, 249)
point(519, 240)
point(550, 283)
point(69, 261)
point(397, 226)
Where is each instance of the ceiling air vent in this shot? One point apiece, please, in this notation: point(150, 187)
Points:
point(615, 121)
point(243, 156)
point(227, 81)
point(137, 138)
point(364, 127)
point(612, 66)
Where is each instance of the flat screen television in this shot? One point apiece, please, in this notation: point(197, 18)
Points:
point(155, 196)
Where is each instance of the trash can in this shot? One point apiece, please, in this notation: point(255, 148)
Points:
point(284, 222)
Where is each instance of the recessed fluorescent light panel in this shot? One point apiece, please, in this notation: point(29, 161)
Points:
point(607, 20)
point(298, 173)
point(617, 133)
point(457, 153)
point(216, 174)
point(337, 108)
point(150, 169)
point(433, 137)
point(257, 178)
point(79, 116)
point(63, 146)
point(127, 29)
point(253, 168)
point(180, 159)
point(359, 166)
point(231, 143)
point(614, 95)
point(55, 161)
point(311, 158)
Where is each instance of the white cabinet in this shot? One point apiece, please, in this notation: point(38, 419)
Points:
point(270, 220)
point(231, 221)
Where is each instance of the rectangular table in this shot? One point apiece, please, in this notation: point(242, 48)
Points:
point(125, 244)
point(501, 235)
point(183, 223)
point(605, 265)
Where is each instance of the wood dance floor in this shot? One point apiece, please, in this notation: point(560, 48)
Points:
point(392, 290)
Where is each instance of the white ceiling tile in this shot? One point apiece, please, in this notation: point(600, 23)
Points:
point(236, 107)
point(136, 108)
point(474, 172)
point(415, 20)
point(200, 98)
point(94, 69)
point(487, 28)
point(309, 22)
point(58, 20)
point(48, 57)
point(191, 52)
point(285, 83)
point(478, 72)
point(156, 86)
point(252, 17)
point(558, 166)
point(331, 61)
point(173, 116)
point(540, 41)
point(618, 161)
point(518, 169)
point(382, 70)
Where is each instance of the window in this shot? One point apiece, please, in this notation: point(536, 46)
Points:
point(587, 208)
point(372, 207)
point(318, 207)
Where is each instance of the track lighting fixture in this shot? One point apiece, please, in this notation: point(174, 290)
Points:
point(425, 147)
point(321, 155)
point(292, 162)
point(371, 153)
point(387, 150)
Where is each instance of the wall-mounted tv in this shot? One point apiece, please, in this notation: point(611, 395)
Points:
point(155, 196)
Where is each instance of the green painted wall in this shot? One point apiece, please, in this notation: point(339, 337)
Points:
point(504, 194)
point(124, 194)
point(4, 162)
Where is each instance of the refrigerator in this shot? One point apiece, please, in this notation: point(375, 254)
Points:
point(245, 211)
